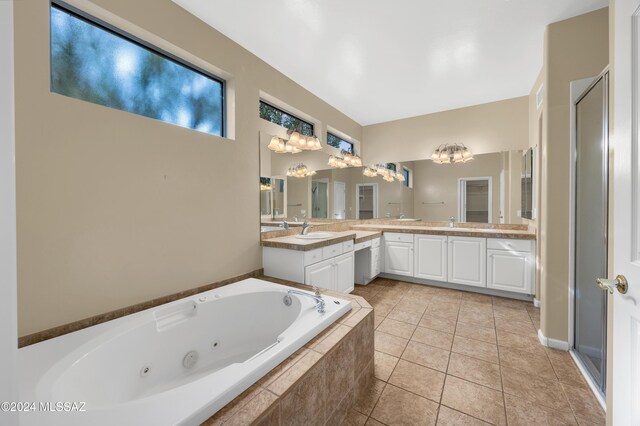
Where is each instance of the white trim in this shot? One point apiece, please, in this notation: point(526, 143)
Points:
point(540, 97)
point(576, 89)
point(461, 211)
point(536, 303)
point(375, 199)
point(589, 380)
point(553, 343)
point(8, 273)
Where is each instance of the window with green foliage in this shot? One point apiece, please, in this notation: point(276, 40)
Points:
point(338, 142)
point(94, 62)
point(285, 119)
point(407, 177)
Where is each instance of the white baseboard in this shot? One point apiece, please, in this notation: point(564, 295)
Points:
point(553, 343)
point(536, 302)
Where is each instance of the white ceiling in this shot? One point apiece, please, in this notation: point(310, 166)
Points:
point(381, 60)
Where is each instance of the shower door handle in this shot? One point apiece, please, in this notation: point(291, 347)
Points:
point(619, 283)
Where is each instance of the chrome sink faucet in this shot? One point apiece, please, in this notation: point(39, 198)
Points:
point(452, 221)
point(317, 297)
point(402, 216)
point(305, 228)
point(285, 224)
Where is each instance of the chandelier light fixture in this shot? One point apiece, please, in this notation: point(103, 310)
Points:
point(451, 153)
point(346, 160)
point(300, 171)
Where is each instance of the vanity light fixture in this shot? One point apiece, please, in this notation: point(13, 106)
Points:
point(302, 142)
point(280, 146)
point(346, 160)
point(300, 171)
point(369, 172)
point(451, 153)
point(381, 170)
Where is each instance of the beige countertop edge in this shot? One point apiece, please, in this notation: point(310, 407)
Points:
point(498, 233)
point(362, 239)
point(290, 244)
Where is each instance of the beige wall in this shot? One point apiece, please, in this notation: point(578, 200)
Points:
point(114, 208)
point(434, 183)
point(493, 127)
point(574, 49)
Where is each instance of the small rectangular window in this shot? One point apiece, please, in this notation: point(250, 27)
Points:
point(391, 166)
point(338, 142)
point(95, 62)
point(282, 118)
point(407, 177)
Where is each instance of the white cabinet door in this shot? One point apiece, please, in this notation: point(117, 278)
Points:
point(322, 275)
point(344, 273)
point(430, 257)
point(375, 262)
point(467, 261)
point(509, 271)
point(398, 258)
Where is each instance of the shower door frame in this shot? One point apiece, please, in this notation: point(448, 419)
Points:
point(579, 89)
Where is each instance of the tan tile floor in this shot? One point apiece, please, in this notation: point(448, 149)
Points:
point(449, 357)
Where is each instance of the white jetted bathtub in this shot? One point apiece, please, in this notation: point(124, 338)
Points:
point(175, 364)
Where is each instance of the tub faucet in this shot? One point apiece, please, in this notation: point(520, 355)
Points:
point(305, 228)
point(316, 296)
point(451, 221)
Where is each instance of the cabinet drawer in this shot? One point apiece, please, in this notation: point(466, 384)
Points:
point(375, 242)
point(360, 246)
point(398, 237)
point(312, 256)
point(331, 251)
point(509, 244)
point(347, 246)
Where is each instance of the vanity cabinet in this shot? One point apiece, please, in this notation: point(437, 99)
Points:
point(330, 267)
point(398, 254)
point(431, 257)
point(367, 256)
point(333, 274)
point(509, 265)
point(502, 264)
point(467, 261)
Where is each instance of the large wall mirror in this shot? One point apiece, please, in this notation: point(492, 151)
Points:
point(487, 189)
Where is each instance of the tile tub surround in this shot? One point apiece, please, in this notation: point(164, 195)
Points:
point(317, 385)
point(449, 357)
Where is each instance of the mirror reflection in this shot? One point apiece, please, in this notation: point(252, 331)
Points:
point(485, 190)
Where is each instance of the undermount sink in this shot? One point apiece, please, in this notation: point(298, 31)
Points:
point(315, 236)
point(408, 219)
